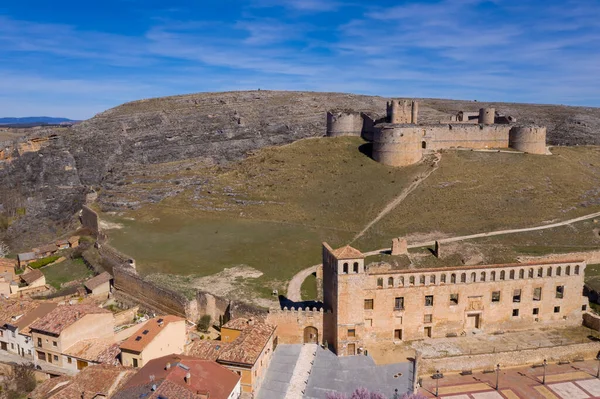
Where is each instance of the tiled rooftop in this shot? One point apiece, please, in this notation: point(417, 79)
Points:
point(94, 350)
point(138, 341)
point(208, 379)
point(10, 309)
point(5, 262)
point(347, 252)
point(32, 276)
point(63, 316)
point(97, 281)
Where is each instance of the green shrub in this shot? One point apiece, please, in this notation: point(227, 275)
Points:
point(44, 261)
point(204, 323)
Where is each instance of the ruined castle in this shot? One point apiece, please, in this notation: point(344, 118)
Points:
point(399, 140)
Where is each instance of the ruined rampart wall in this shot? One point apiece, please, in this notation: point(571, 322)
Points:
point(402, 111)
point(531, 139)
point(487, 116)
point(89, 219)
point(397, 145)
point(291, 323)
point(476, 136)
point(344, 123)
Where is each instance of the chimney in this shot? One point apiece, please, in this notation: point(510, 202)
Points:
point(168, 366)
point(188, 378)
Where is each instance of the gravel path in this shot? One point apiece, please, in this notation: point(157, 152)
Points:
point(294, 288)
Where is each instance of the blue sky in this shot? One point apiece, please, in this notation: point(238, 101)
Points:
point(67, 58)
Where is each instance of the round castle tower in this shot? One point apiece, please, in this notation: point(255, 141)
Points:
point(487, 116)
point(344, 123)
point(530, 139)
point(397, 145)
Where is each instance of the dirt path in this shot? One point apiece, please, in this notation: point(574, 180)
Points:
point(398, 200)
point(493, 233)
point(293, 291)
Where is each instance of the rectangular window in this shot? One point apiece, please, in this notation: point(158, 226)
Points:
point(583, 308)
point(515, 312)
point(453, 299)
point(135, 362)
point(496, 296)
point(351, 332)
point(537, 294)
point(69, 360)
point(399, 303)
point(517, 296)
point(536, 311)
point(428, 318)
point(54, 343)
point(428, 300)
point(355, 267)
point(557, 309)
point(12, 346)
point(398, 335)
point(39, 342)
point(368, 304)
point(560, 291)
point(55, 358)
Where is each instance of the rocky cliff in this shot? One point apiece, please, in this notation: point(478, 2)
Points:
point(46, 173)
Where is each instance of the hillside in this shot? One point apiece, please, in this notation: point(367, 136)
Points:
point(139, 153)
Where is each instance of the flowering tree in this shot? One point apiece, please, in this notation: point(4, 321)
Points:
point(363, 393)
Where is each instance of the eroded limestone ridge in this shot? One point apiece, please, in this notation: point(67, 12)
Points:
point(47, 180)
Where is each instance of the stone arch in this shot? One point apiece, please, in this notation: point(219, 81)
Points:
point(355, 267)
point(443, 278)
point(482, 278)
point(512, 274)
point(530, 275)
point(502, 275)
point(473, 277)
point(432, 279)
point(453, 278)
point(521, 273)
point(576, 269)
point(311, 335)
point(568, 270)
point(390, 281)
point(345, 267)
point(558, 271)
point(493, 275)
point(549, 273)
point(423, 145)
point(463, 278)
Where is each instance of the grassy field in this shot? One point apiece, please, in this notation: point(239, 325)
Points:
point(272, 210)
point(308, 290)
point(63, 272)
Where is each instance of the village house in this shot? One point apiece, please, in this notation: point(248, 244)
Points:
point(10, 311)
point(18, 332)
point(94, 382)
point(158, 337)
point(33, 278)
point(75, 336)
point(246, 347)
point(8, 266)
point(62, 244)
point(181, 377)
point(99, 285)
point(74, 241)
point(45, 251)
point(25, 258)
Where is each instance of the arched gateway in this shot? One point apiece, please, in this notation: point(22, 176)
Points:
point(311, 335)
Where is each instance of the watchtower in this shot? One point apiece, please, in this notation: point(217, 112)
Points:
point(402, 111)
point(487, 116)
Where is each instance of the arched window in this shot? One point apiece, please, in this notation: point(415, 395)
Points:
point(443, 278)
point(380, 283)
point(422, 280)
point(549, 272)
point(541, 272)
point(401, 281)
point(453, 278)
point(577, 269)
point(558, 271)
point(473, 277)
point(530, 275)
point(482, 278)
point(568, 270)
point(521, 273)
point(502, 275)
point(346, 268)
point(463, 278)
point(512, 274)
point(355, 267)
point(432, 279)
point(423, 145)
point(493, 275)
point(411, 280)
point(390, 282)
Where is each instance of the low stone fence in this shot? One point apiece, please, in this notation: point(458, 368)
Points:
point(591, 320)
point(514, 358)
point(126, 316)
point(590, 257)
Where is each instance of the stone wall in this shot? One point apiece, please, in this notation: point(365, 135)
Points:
point(292, 322)
point(591, 320)
point(126, 316)
point(590, 257)
point(89, 219)
point(521, 357)
point(344, 123)
point(530, 139)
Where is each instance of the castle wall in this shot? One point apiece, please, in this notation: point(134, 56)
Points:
point(292, 322)
point(475, 136)
point(344, 123)
point(402, 111)
point(89, 219)
point(531, 139)
point(487, 116)
point(398, 145)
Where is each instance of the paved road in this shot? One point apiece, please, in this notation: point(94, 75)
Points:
point(294, 287)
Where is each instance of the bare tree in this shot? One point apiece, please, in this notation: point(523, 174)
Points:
point(3, 249)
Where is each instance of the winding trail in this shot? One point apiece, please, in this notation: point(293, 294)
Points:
point(294, 287)
point(398, 200)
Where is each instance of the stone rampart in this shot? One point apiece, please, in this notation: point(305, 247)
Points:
point(530, 139)
point(487, 116)
point(437, 137)
point(126, 316)
point(291, 323)
point(397, 145)
point(402, 111)
point(89, 219)
point(590, 257)
point(344, 123)
point(591, 320)
point(513, 358)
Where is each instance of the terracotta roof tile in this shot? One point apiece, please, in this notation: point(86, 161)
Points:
point(97, 281)
point(48, 388)
point(138, 341)
point(94, 350)
point(11, 310)
point(63, 316)
point(347, 252)
point(47, 248)
point(208, 379)
point(31, 317)
point(208, 350)
point(32, 276)
point(5, 262)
